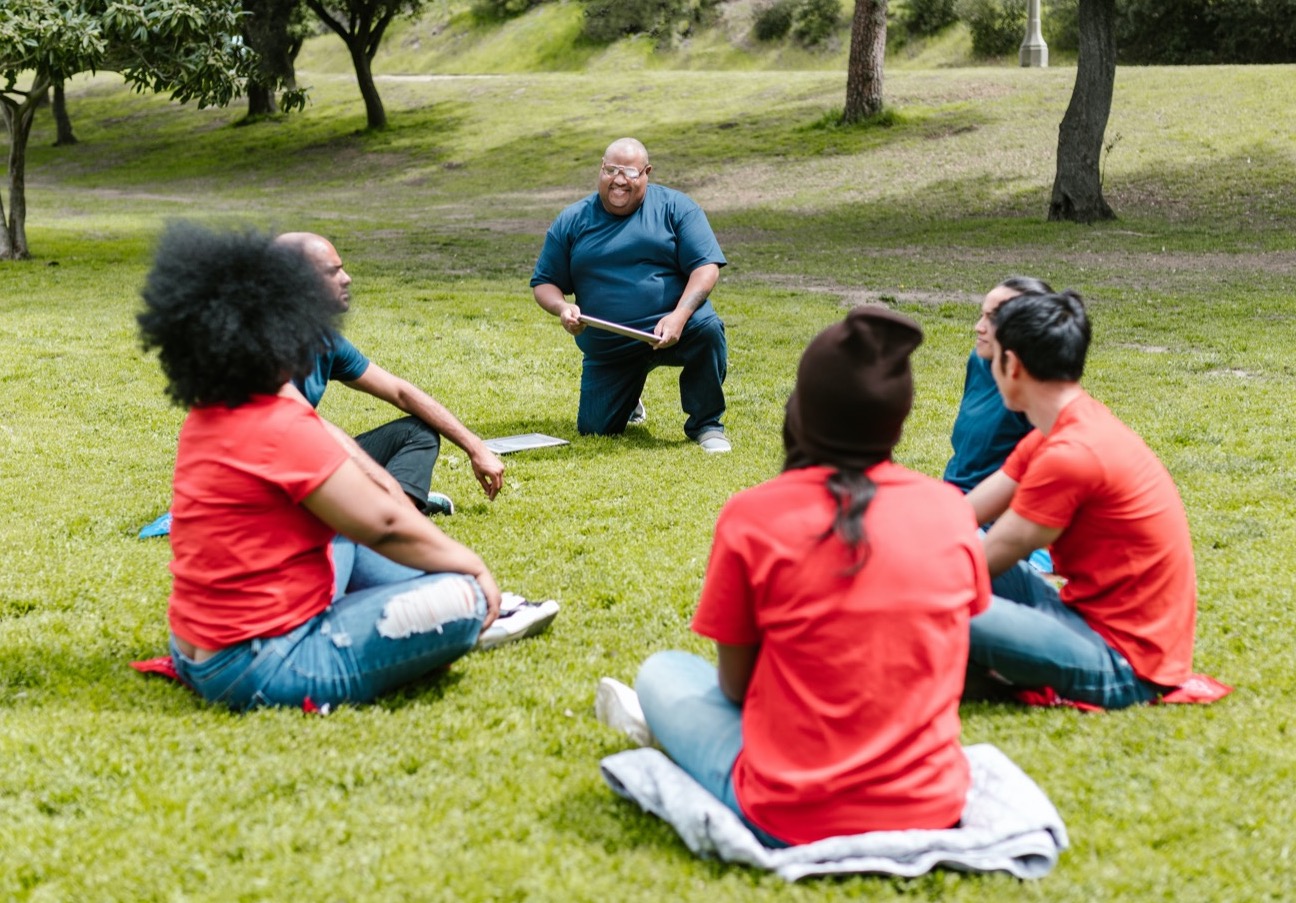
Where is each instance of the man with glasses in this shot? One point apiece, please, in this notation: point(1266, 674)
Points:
point(643, 256)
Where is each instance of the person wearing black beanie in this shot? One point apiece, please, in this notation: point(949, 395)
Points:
point(839, 596)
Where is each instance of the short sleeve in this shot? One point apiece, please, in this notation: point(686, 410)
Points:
point(980, 576)
point(727, 610)
point(1057, 479)
point(554, 264)
point(348, 363)
point(697, 242)
point(303, 454)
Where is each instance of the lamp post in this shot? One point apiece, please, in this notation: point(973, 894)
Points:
point(1033, 52)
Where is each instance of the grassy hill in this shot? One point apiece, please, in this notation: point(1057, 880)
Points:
point(446, 40)
point(484, 784)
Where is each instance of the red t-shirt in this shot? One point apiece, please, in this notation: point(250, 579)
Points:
point(851, 722)
point(1124, 549)
point(248, 560)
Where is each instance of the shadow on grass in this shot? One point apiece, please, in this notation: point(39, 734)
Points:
point(103, 682)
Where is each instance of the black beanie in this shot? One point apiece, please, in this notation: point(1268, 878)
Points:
point(853, 391)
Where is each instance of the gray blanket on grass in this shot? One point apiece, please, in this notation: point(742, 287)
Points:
point(1008, 825)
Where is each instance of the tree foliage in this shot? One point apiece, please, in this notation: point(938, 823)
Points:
point(188, 48)
point(361, 24)
point(1220, 31)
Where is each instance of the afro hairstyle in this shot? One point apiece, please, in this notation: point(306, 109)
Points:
point(232, 314)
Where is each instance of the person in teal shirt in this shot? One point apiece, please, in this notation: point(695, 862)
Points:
point(985, 432)
point(643, 256)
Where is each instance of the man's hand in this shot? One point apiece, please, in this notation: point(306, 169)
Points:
point(569, 317)
point(489, 471)
point(669, 328)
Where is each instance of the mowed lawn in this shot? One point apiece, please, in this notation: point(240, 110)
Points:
point(484, 784)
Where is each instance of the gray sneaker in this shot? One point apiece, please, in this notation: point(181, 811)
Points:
point(439, 503)
point(714, 442)
point(617, 706)
point(639, 414)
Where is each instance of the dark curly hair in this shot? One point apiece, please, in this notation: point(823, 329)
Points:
point(232, 314)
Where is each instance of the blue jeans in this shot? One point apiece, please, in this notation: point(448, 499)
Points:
point(611, 386)
point(1031, 639)
point(695, 724)
point(388, 625)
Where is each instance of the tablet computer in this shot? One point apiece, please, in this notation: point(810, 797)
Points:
point(619, 329)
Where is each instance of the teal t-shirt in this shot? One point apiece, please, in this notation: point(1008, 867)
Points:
point(985, 431)
point(628, 269)
point(340, 360)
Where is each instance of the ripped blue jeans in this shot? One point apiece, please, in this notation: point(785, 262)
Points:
point(388, 625)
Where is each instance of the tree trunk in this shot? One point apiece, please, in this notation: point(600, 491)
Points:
point(374, 112)
point(18, 120)
point(1077, 187)
point(867, 53)
point(268, 28)
point(62, 124)
point(261, 100)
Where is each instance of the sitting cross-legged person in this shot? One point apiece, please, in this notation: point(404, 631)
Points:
point(839, 595)
point(1120, 631)
point(266, 608)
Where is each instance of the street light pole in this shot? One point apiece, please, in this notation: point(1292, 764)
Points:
point(1033, 52)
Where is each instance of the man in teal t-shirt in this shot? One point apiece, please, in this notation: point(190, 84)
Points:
point(642, 256)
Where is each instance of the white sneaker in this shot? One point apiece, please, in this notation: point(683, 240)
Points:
point(714, 442)
point(617, 706)
point(639, 414)
point(518, 619)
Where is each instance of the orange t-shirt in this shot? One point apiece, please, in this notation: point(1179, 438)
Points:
point(248, 560)
point(1124, 549)
point(850, 722)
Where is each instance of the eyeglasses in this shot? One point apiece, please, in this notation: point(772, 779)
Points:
point(630, 172)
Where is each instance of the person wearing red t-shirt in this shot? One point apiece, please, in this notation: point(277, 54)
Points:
point(1120, 630)
point(839, 595)
point(266, 607)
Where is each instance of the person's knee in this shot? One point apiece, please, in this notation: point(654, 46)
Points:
point(429, 605)
point(664, 676)
point(419, 434)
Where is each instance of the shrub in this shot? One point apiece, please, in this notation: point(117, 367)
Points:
point(609, 20)
point(815, 21)
point(1221, 31)
point(499, 10)
point(810, 22)
point(997, 26)
point(926, 17)
point(774, 22)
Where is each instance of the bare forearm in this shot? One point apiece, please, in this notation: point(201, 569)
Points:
point(368, 466)
point(1012, 538)
point(698, 289)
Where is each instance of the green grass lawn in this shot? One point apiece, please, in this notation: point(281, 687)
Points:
point(484, 784)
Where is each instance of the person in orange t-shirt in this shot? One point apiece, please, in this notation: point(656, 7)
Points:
point(1120, 631)
point(267, 607)
point(839, 595)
